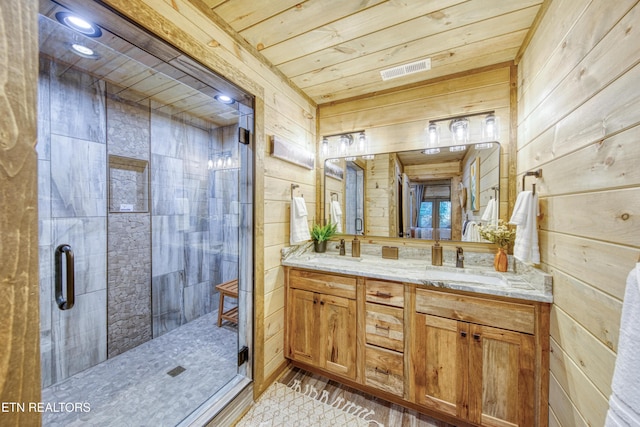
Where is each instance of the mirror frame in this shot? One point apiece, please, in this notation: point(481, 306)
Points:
point(503, 196)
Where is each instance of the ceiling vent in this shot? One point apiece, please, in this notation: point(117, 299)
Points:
point(406, 69)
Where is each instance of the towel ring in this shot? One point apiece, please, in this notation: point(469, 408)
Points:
point(537, 174)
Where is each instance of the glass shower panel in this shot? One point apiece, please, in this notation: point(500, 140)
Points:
point(143, 177)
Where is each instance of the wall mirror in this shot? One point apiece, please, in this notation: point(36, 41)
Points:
point(430, 194)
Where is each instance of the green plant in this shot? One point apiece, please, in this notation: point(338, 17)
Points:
point(320, 233)
point(502, 235)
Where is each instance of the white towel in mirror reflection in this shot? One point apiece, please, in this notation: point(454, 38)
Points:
point(336, 215)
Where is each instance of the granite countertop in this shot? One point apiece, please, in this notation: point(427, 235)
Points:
point(527, 283)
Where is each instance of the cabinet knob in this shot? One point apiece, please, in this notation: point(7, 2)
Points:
point(321, 302)
point(476, 337)
point(315, 301)
point(463, 334)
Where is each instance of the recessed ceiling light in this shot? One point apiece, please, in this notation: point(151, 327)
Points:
point(455, 148)
point(430, 151)
point(225, 99)
point(79, 24)
point(84, 51)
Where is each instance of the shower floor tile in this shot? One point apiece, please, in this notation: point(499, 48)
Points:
point(157, 383)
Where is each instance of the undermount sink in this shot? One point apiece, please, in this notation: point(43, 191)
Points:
point(451, 276)
point(331, 259)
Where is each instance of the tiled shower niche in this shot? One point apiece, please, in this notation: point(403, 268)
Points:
point(128, 185)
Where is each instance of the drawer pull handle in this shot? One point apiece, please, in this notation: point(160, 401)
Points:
point(383, 294)
point(384, 328)
point(382, 371)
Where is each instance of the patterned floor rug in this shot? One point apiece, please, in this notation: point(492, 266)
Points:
point(292, 406)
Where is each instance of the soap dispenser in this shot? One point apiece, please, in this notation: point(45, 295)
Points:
point(355, 247)
point(436, 254)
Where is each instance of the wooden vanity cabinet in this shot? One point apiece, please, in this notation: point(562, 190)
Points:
point(472, 360)
point(467, 369)
point(322, 321)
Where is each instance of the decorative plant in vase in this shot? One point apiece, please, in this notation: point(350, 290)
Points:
point(320, 234)
point(503, 236)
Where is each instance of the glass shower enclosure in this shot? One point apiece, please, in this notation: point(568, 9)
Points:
point(145, 208)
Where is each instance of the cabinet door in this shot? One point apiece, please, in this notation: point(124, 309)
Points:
point(303, 326)
point(501, 377)
point(338, 335)
point(440, 364)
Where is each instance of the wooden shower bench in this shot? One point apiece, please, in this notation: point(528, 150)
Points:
point(227, 289)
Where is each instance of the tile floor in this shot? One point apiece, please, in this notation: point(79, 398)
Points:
point(135, 389)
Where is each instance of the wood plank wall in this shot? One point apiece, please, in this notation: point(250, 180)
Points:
point(19, 316)
point(579, 120)
point(396, 120)
point(281, 110)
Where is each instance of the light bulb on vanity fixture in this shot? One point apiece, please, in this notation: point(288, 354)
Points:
point(490, 127)
point(459, 130)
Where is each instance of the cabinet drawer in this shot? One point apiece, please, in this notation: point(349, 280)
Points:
point(385, 326)
point(324, 283)
point(384, 369)
point(389, 293)
point(499, 314)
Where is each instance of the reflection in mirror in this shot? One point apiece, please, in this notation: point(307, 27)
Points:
point(411, 194)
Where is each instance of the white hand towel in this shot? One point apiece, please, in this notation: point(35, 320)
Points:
point(624, 402)
point(491, 212)
point(299, 229)
point(525, 217)
point(336, 215)
point(472, 234)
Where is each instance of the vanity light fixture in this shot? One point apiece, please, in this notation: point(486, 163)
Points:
point(325, 146)
point(78, 24)
point(224, 99)
point(362, 142)
point(433, 131)
point(459, 130)
point(490, 127)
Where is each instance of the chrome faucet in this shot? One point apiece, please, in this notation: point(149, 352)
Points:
point(459, 257)
point(341, 247)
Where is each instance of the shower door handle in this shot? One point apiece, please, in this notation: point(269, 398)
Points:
point(65, 304)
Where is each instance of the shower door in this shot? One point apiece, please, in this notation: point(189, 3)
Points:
point(145, 206)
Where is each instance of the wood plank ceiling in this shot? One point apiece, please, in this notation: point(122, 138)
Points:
point(335, 49)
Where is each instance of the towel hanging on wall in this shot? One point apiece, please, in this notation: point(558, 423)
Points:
point(624, 402)
point(299, 229)
point(525, 217)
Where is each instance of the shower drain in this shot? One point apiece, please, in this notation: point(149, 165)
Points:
point(176, 371)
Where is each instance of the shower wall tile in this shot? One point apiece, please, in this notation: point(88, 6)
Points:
point(229, 270)
point(43, 146)
point(46, 358)
point(166, 293)
point(78, 179)
point(129, 301)
point(77, 104)
point(79, 335)
point(88, 240)
point(196, 257)
point(128, 128)
point(167, 185)
point(199, 300)
point(197, 204)
point(167, 245)
point(164, 323)
point(44, 190)
point(168, 133)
